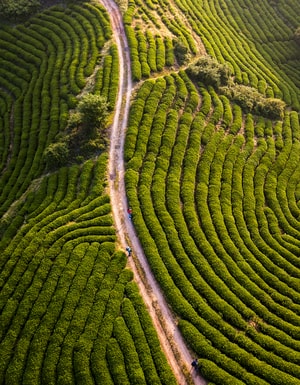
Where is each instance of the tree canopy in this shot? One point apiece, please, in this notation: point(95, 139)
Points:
point(93, 110)
point(250, 100)
point(210, 72)
point(15, 10)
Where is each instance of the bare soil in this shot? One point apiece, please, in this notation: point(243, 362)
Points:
point(172, 343)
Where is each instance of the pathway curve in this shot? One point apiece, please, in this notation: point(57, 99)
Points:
point(171, 340)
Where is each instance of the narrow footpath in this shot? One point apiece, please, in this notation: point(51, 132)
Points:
point(172, 343)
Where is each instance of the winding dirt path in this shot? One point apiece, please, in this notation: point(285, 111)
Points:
point(171, 340)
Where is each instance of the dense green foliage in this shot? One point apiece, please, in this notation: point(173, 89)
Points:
point(14, 10)
point(252, 101)
point(56, 154)
point(94, 112)
point(208, 71)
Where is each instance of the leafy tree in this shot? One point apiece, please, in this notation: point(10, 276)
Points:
point(210, 72)
point(94, 113)
point(56, 154)
point(75, 119)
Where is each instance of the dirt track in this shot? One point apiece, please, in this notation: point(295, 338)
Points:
point(171, 340)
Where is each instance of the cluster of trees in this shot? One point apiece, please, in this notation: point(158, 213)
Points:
point(84, 135)
point(208, 71)
point(181, 51)
point(252, 101)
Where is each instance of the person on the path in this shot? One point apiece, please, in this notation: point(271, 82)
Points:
point(195, 363)
point(128, 249)
point(129, 211)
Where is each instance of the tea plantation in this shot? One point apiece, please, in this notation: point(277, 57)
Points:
point(213, 179)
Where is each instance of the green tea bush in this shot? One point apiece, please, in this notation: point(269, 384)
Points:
point(169, 49)
point(131, 357)
point(134, 54)
point(160, 53)
point(151, 59)
point(116, 363)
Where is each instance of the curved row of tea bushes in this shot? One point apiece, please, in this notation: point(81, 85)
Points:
point(5, 116)
point(170, 56)
point(134, 53)
point(160, 53)
point(143, 53)
point(197, 188)
point(114, 78)
point(151, 51)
